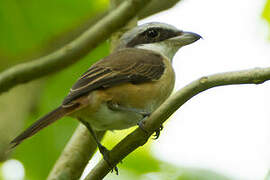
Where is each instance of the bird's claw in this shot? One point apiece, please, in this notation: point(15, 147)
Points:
point(106, 156)
point(141, 123)
point(115, 169)
point(145, 114)
point(157, 132)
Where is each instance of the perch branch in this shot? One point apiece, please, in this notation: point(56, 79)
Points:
point(138, 137)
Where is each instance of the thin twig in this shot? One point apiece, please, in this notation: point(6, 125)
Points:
point(138, 137)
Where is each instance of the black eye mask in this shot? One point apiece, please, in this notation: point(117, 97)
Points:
point(153, 35)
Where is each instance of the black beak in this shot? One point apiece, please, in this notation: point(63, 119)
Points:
point(193, 35)
point(184, 38)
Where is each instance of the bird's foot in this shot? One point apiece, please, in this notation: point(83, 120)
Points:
point(145, 115)
point(102, 149)
point(141, 123)
point(157, 132)
point(106, 156)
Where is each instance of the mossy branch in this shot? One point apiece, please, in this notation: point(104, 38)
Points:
point(138, 137)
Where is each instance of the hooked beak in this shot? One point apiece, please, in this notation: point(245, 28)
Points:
point(185, 38)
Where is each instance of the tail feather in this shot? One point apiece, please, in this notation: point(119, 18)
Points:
point(42, 123)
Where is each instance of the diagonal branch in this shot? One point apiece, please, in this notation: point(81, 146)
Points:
point(73, 51)
point(138, 137)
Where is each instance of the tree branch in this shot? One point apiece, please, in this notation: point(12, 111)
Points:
point(156, 6)
point(73, 51)
point(138, 137)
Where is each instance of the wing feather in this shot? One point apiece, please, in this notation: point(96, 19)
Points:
point(127, 65)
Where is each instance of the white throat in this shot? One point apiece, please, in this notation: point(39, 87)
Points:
point(165, 49)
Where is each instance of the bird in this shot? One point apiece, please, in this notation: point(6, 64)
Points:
point(124, 88)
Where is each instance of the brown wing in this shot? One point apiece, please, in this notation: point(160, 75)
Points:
point(127, 65)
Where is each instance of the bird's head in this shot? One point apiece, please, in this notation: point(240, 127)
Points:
point(159, 37)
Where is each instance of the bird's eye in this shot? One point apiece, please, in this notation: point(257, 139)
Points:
point(152, 33)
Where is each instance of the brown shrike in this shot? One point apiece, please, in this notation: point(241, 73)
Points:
point(121, 89)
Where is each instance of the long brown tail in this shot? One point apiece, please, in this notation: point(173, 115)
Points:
point(42, 123)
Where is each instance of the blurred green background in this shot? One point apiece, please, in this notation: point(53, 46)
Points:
point(29, 29)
